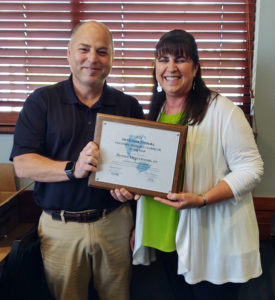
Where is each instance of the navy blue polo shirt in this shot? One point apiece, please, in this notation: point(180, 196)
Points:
point(55, 124)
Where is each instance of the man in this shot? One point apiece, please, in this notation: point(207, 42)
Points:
point(84, 231)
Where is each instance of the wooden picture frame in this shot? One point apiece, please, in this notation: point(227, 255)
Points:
point(145, 157)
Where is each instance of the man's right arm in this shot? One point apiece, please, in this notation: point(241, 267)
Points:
point(40, 168)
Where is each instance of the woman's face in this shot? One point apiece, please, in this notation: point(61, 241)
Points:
point(175, 74)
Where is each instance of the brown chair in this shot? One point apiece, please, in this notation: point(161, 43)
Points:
point(7, 182)
point(10, 227)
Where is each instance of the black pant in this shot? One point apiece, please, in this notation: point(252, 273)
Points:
point(201, 291)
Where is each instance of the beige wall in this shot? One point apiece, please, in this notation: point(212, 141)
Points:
point(265, 93)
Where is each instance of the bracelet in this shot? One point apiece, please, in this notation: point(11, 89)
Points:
point(204, 200)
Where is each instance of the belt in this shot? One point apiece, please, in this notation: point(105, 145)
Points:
point(86, 216)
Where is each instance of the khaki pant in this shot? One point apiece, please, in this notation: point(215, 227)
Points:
point(74, 252)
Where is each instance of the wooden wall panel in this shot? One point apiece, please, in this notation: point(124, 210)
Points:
point(265, 208)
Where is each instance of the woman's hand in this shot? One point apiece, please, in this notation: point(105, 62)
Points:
point(220, 192)
point(181, 200)
point(123, 195)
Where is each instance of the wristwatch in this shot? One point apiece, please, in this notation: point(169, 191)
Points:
point(69, 170)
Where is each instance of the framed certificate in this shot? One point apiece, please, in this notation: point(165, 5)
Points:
point(145, 157)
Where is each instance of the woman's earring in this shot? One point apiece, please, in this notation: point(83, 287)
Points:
point(194, 85)
point(159, 88)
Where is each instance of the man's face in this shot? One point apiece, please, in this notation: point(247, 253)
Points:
point(90, 56)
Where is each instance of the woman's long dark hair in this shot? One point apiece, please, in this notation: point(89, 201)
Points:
point(181, 43)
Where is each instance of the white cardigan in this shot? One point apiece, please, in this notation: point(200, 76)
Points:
point(219, 242)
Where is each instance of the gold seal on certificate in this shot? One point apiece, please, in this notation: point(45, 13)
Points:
point(145, 157)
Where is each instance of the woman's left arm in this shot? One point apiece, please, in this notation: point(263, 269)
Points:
point(244, 163)
point(242, 155)
point(218, 193)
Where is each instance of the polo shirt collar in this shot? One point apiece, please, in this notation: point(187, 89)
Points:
point(105, 99)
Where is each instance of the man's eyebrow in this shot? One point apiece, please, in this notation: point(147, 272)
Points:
point(88, 46)
point(83, 45)
point(103, 48)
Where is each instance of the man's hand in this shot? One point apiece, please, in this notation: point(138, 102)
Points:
point(87, 160)
point(123, 195)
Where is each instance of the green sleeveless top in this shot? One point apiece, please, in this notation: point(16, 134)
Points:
point(160, 221)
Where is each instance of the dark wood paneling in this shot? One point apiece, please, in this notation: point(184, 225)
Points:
point(265, 208)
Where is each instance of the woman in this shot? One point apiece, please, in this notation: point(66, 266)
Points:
point(208, 233)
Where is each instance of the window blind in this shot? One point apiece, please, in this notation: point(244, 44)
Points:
point(34, 37)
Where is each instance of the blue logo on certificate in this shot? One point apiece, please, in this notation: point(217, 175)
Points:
point(135, 143)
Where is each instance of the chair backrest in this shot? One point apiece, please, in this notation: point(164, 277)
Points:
point(23, 274)
point(7, 178)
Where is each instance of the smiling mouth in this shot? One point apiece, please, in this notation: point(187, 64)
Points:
point(92, 69)
point(91, 66)
point(171, 78)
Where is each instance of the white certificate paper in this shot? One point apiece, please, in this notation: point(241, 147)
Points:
point(137, 159)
